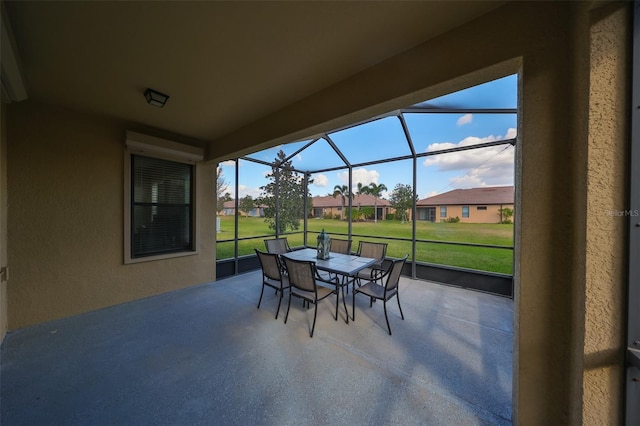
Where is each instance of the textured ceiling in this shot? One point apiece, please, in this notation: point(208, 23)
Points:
point(223, 64)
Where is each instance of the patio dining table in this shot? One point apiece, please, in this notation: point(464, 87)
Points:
point(345, 265)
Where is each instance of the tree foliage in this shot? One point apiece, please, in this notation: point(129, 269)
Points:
point(246, 204)
point(402, 199)
point(342, 192)
point(221, 188)
point(375, 190)
point(288, 187)
point(505, 214)
point(359, 214)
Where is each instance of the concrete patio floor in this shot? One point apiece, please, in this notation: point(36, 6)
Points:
point(206, 356)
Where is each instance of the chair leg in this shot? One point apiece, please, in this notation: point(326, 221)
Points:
point(384, 303)
point(315, 313)
point(399, 307)
point(261, 293)
point(288, 307)
point(279, 303)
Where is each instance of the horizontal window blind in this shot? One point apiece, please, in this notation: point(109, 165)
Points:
point(161, 206)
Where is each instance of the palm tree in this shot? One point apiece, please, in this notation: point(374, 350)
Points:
point(362, 189)
point(342, 191)
point(376, 191)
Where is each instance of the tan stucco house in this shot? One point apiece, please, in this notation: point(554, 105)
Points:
point(244, 76)
point(473, 205)
point(229, 209)
point(330, 206)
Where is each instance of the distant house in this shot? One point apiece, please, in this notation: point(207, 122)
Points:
point(475, 205)
point(229, 209)
point(328, 205)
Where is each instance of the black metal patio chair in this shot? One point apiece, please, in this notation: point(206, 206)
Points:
point(272, 275)
point(376, 251)
point(277, 245)
point(337, 245)
point(306, 284)
point(384, 292)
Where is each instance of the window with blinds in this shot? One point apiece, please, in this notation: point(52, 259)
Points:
point(161, 206)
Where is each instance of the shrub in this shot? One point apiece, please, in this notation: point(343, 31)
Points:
point(366, 212)
point(391, 216)
point(505, 215)
point(452, 220)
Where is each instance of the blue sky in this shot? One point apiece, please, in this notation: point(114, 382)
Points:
point(384, 138)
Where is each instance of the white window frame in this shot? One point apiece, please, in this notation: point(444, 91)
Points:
point(149, 146)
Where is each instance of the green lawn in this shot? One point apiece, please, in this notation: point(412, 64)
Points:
point(480, 258)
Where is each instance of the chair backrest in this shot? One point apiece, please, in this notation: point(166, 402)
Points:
point(337, 245)
point(394, 273)
point(270, 264)
point(374, 250)
point(277, 245)
point(302, 274)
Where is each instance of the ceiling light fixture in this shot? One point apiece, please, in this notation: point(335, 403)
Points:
point(156, 98)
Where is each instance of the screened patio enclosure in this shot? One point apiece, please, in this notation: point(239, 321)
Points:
point(371, 180)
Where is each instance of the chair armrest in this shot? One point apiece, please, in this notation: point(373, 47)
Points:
point(379, 271)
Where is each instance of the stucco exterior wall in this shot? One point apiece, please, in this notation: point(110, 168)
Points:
point(490, 215)
point(607, 189)
point(66, 174)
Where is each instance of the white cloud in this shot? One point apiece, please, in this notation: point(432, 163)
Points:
point(320, 180)
point(244, 190)
point(467, 181)
point(470, 140)
point(228, 163)
point(465, 119)
point(490, 166)
point(360, 175)
point(430, 194)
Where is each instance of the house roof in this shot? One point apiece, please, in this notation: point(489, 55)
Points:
point(363, 200)
point(485, 195)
